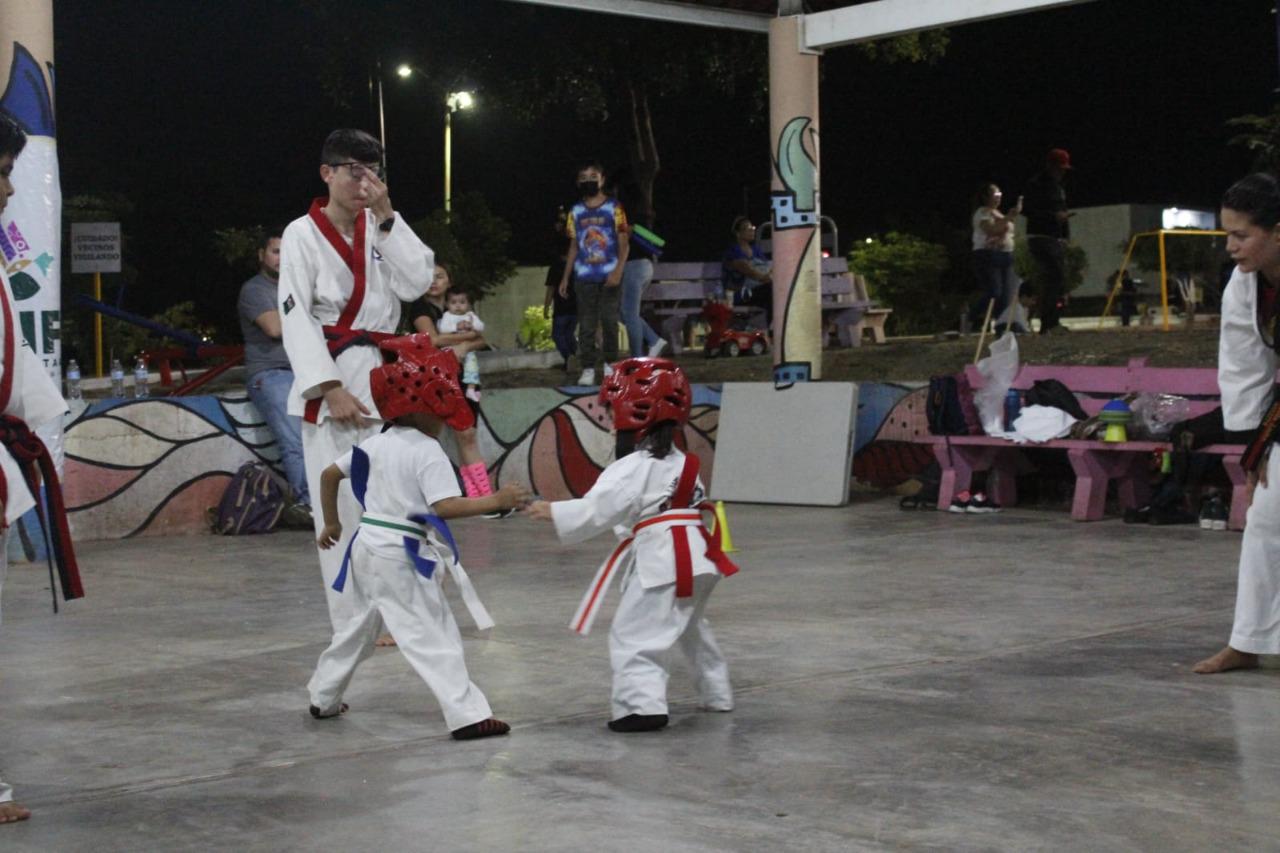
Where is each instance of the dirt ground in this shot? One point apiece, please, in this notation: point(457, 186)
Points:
point(916, 359)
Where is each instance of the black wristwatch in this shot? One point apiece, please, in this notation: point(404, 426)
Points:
point(385, 225)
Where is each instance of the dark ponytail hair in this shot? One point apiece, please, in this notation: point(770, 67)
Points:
point(12, 137)
point(1257, 197)
point(660, 440)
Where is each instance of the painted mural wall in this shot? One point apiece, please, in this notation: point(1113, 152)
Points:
point(156, 466)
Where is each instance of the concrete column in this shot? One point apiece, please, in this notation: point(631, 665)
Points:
point(797, 256)
point(31, 233)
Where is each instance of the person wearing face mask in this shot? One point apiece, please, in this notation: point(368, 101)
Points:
point(598, 248)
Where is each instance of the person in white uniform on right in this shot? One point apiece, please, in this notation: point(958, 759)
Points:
point(654, 499)
point(1247, 359)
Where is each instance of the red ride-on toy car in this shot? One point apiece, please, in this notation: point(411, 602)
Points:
point(723, 339)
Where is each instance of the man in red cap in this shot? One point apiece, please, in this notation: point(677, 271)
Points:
point(1048, 228)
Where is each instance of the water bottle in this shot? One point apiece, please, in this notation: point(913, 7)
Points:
point(140, 378)
point(117, 378)
point(1012, 406)
point(73, 381)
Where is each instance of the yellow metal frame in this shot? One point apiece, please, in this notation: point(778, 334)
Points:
point(1159, 234)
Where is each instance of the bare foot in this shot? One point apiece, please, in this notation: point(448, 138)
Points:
point(1225, 661)
point(384, 641)
point(13, 812)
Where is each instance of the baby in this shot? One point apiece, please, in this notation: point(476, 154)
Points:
point(460, 318)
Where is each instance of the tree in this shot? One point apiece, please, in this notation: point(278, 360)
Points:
point(626, 69)
point(471, 242)
point(904, 272)
point(613, 73)
point(1025, 267)
point(1261, 135)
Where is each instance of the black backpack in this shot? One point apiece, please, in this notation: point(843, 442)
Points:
point(943, 409)
point(1051, 392)
point(253, 501)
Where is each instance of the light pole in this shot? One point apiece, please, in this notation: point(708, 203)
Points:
point(454, 102)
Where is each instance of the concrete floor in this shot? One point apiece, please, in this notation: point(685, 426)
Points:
point(904, 680)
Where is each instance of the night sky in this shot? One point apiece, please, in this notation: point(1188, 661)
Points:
point(208, 115)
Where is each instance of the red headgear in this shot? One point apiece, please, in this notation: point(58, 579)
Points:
point(421, 378)
point(644, 392)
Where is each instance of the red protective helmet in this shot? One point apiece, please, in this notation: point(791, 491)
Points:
point(644, 392)
point(421, 378)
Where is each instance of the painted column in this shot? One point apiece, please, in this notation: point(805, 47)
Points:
point(31, 233)
point(797, 255)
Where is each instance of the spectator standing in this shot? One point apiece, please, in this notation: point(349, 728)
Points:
point(638, 272)
point(598, 251)
point(564, 320)
point(267, 372)
point(993, 233)
point(1048, 229)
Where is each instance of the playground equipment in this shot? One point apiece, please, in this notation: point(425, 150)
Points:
point(193, 348)
point(1160, 235)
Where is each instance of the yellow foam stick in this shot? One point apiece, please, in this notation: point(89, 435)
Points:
point(722, 528)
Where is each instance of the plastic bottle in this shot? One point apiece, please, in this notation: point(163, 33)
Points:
point(73, 381)
point(140, 388)
point(117, 378)
point(1012, 407)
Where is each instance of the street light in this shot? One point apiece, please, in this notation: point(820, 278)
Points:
point(454, 102)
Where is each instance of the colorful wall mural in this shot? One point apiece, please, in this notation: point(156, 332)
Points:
point(155, 466)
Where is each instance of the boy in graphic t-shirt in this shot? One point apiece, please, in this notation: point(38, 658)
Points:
point(598, 249)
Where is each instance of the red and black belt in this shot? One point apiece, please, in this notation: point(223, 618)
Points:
point(35, 463)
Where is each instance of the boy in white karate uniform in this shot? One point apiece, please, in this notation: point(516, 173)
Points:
point(654, 498)
point(28, 399)
point(344, 268)
point(1247, 360)
point(394, 569)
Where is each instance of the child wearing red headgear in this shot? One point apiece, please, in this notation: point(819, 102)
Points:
point(669, 560)
point(393, 568)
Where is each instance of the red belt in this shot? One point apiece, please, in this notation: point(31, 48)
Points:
point(680, 541)
point(590, 604)
point(339, 339)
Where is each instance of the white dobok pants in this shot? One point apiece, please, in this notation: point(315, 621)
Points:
point(383, 590)
point(647, 624)
point(1257, 624)
point(6, 791)
point(322, 444)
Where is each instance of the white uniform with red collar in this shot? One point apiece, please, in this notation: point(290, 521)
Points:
point(323, 286)
point(651, 618)
point(27, 393)
point(408, 473)
point(1246, 377)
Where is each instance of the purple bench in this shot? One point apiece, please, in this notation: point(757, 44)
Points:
point(678, 290)
point(1095, 463)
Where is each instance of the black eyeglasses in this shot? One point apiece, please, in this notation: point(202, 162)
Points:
point(358, 169)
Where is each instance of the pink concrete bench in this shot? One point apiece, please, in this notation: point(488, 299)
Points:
point(1095, 463)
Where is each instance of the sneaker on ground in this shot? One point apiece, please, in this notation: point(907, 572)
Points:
point(1206, 514)
point(588, 377)
point(1221, 512)
point(608, 371)
point(297, 516)
point(980, 503)
point(658, 346)
point(960, 503)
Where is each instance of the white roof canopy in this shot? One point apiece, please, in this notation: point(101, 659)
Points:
point(856, 22)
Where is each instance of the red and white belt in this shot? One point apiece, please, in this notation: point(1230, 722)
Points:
point(678, 521)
